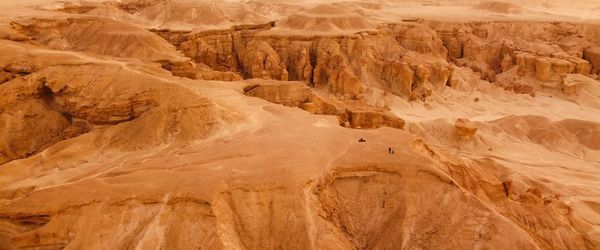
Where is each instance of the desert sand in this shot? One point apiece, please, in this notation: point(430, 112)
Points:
point(268, 124)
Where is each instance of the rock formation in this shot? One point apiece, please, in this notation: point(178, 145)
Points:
point(592, 55)
point(261, 61)
point(199, 71)
point(57, 102)
point(573, 82)
point(465, 129)
point(297, 94)
point(178, 124)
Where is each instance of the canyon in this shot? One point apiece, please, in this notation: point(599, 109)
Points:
point(179, 124)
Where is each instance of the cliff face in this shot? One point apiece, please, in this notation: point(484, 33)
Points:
point(342, 64)
point(162, 124)
point(410, 60)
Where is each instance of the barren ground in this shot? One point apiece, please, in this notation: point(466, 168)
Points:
point(179, 124)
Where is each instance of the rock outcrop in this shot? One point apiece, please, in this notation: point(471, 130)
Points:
point(364, 119)
point(261, 61)
point(410, 60)
point(573, 82)
point(199, 71)
point(465, 129)
point(332, 70)
point(28, 123)
point(494, 50)
point(400, 77)
point(291, 94)
point(343, 65)
point(118, 130)
point(592, 55)
point(62, 102)
point(297, 94)
point(422, 39)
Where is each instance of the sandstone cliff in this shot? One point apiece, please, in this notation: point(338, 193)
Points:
point(178, 124)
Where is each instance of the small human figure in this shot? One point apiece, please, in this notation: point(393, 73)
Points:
point(389, 150)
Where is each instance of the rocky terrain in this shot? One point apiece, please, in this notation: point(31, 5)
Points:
point(179, 124)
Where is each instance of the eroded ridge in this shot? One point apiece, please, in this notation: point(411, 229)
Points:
point(175, 124)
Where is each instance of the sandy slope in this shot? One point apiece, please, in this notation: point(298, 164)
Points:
point(116, 131)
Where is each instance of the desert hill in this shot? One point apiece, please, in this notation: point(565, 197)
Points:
point(177, 124)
